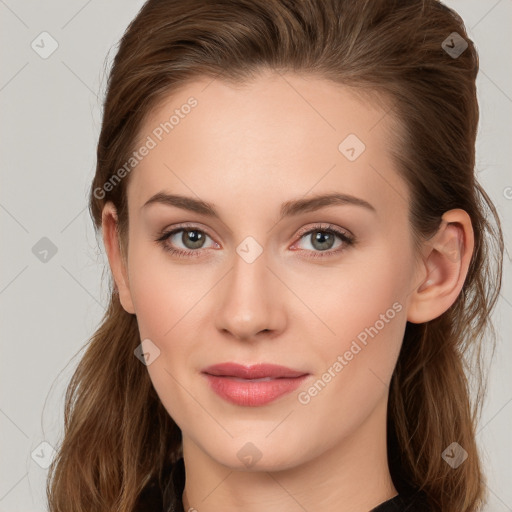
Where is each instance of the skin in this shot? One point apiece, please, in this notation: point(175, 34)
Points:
point(247, 150)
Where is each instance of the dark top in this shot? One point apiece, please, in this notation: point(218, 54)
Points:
point(169, 500)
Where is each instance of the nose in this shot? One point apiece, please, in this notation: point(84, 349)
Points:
point(252, 300)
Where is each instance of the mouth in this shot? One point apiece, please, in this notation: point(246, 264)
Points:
point(253, 372)
point(254, 385)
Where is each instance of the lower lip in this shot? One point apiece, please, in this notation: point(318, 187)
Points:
point(252, 393)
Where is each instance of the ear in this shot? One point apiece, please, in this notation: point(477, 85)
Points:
point(445, 262)
point(118, 265)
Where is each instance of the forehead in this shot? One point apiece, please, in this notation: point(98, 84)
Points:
point(278, 134)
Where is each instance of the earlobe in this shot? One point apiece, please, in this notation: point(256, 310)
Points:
point(446, 263)
point(116, 261)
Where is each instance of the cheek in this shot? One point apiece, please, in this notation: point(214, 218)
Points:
point(367, 340)
point(164, 293)
point(167, 300)
point(354, 296)
point(356, 363)
point(363, 312)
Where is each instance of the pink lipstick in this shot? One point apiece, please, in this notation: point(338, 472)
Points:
point(254, 385)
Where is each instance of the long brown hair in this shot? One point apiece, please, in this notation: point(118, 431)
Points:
point(118, 436)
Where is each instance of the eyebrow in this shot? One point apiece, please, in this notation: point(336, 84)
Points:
point(288, 209)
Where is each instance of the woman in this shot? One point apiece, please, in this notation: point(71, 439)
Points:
point(301, 261)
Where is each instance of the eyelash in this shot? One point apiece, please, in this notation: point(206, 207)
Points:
point(180, 253)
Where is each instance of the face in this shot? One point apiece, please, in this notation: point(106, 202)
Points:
point(321, 288)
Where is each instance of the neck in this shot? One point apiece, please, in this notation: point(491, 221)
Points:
point(351, 476)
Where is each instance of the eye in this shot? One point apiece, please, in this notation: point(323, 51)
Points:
point(322, 238)
point(191, 237)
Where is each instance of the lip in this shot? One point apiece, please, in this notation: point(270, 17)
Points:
point(254, 385)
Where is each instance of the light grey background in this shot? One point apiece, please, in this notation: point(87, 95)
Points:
point(51, 115)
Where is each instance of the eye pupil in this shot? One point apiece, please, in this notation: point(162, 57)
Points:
point(196, 238)
point(323, 237)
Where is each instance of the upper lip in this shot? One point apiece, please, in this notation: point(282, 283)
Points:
point(255, 371)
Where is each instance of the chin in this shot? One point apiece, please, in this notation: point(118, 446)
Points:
point(261, 454)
